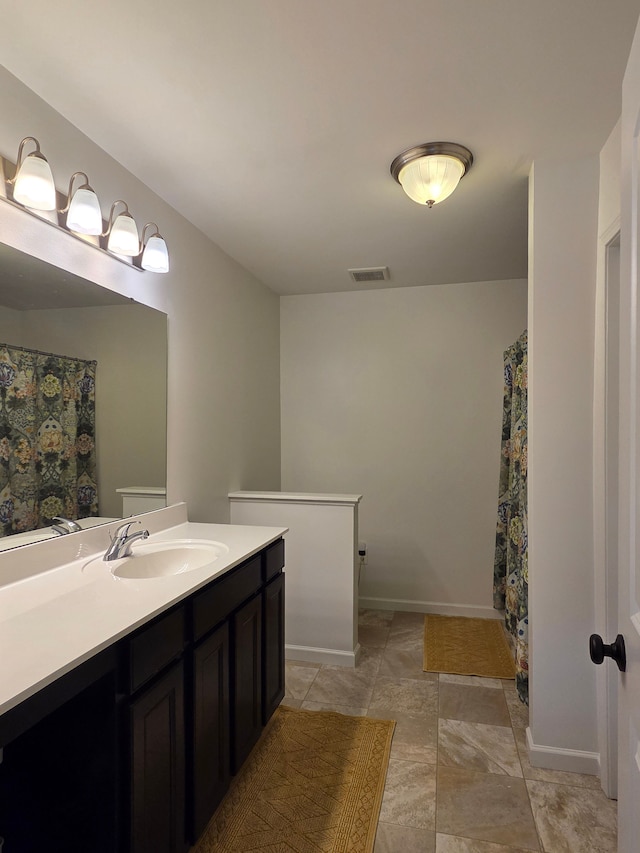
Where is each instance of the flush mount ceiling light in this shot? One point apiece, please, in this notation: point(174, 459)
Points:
point(33, 184)
point(83, 208)
point(429, 173)
point(122, 232)
point(155, 256)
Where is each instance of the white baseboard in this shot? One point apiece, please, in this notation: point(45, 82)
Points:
point(430, 607)
point(570, 760)
point(334, 657)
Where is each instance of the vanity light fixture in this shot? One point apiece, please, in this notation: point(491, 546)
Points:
point(155, 256)
point(33, 184)
point(122, 232)
point(83, 208)
point(429, 173)
point(32, 188)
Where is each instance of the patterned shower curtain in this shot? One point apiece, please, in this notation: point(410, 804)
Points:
point(47, 439)
point(511, 573)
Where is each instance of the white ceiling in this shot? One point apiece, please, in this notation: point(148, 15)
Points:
point(271, 124)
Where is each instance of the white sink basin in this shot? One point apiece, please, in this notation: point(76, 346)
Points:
point(163, 559)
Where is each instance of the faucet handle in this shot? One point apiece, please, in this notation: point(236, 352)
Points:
point(69, 525)
point(123, 530)
point(122, 539)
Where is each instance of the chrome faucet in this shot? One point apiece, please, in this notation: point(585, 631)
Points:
point(65, 525)
point(121, 541)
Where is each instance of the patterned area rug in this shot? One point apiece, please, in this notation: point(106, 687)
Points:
point(464, 646)
point(313, 784)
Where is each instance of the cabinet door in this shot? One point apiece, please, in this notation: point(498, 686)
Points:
point(273, 650)
point(157, 767)
point(58, 778)
point(246, 690)
point(210, 744)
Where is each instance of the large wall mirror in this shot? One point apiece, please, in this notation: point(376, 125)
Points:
point(48, 309)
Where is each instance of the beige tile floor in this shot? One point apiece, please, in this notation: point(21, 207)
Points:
point(459, 780)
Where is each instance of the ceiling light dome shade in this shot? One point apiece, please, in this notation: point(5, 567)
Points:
point(430, 173)
point(33, 184)
point(430, 180)
point(155, 257)
point(85, 216)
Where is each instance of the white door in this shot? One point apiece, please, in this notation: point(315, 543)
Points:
point(629, 464)
point(607, 396)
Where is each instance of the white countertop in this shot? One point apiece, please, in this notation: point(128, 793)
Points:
point(54, 616)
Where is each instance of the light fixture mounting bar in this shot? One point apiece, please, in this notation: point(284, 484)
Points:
point(30, 186)
point(4, 163)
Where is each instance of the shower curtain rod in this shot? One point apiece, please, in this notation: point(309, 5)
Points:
point(52, 354)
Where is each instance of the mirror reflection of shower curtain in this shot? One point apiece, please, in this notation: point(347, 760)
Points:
point(47, 439)
point(511, 573)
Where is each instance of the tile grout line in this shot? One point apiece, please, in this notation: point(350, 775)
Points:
point(524, 779)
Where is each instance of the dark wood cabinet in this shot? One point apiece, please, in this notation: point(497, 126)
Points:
point(58, 778)
point(273, 646)
point(216, 602)
point(152, 648)
point(209, 754)
point(133, 750)
point(238, 675)
point(157, 816)
point(246, 680)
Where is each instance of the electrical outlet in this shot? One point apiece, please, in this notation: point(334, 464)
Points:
point(362, 553)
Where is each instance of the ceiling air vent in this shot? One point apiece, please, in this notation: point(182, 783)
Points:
point(370, 274)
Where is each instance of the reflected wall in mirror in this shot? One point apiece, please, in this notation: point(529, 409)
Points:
point(45, 308)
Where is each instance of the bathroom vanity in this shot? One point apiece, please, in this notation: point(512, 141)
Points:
point(128, 703)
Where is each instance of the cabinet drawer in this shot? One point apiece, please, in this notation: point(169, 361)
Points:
point(273, 560)
point(216, 603)
point(154, 647)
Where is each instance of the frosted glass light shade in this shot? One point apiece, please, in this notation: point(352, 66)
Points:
point(430, 172)
point(429, 180)
point(155, 257)
point(123, 237)
point(34, 186)
point(85, 216)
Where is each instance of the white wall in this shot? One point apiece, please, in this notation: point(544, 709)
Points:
point(562, 274)
point(10, 326)
point(397, 394)
point(321, 601)
point(223, 326)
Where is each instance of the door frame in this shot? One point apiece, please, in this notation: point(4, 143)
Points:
point(605, 559)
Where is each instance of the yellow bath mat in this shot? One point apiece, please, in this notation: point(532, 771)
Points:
point(466, 646)
point(313, 784)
